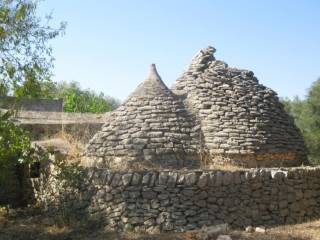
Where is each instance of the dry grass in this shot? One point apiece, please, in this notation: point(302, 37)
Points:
point(76, 147)
point(225, 167)
point(31, 225)
point(64, 143)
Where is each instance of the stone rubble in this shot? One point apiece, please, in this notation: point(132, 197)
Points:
point(224, 237)
point(210, 232)
point(260, 230)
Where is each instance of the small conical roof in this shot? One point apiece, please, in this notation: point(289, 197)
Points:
point(150, 129)
point(151, 86)
point(242, 120)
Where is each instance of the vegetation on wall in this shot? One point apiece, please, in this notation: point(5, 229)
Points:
point(16, 154)
point(306, 113)
point(15, 147)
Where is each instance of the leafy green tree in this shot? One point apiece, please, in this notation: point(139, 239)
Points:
point(25, 64)
point(80, 100)
point(26, 57)
point(306, 114)
point(294, 107)
point(309, 121)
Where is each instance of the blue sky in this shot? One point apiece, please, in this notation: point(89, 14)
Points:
point(109, 44)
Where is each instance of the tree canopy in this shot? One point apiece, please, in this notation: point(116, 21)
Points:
point(26, 56)
point(81, 100)
point(307, 117)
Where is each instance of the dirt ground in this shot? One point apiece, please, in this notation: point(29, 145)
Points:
point(31, 225)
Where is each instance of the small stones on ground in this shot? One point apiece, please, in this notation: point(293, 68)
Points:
point(213, 231)
point(224, 237)
point(260, 230)
point(249, 229)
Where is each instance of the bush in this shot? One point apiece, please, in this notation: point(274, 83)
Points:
point(306, 113)
point(15, 147)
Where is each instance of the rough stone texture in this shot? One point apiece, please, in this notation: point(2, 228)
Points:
point(242, 121)
point(216, 114)
point(150, 129)
point(144, 200)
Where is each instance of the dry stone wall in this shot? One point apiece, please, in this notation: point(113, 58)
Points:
point(43, 125)
point(29, 104)
point(156, 201)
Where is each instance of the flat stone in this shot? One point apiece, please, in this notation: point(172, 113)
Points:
point(126, 179)
point(209, 232)
point(224, 237)
point(260, 229)
point(203, 180)
point(163, 178)
point(136, 179)
point(190, 179)
point(149, 194)
point(249, 229)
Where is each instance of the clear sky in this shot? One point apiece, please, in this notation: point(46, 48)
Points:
point(109, 44)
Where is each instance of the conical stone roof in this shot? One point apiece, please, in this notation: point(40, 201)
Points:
point(242, 121)
point(151, 129)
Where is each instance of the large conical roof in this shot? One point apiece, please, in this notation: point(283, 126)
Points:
point(242, 121)
point(150, 129)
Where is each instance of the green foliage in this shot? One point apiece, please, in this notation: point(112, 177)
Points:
point(306, 114)
point(4, 88)
point(310, 121)
point(77, 100)
point(25, 57)
point(33, 88)
point(81, 100)
point(15, 147)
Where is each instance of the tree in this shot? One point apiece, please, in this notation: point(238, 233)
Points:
point(25, 58)
point(306, 114)
point(25, 63)
point(309, 121)
point(82, 100)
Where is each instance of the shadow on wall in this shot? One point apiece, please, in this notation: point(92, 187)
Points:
point(16, 189)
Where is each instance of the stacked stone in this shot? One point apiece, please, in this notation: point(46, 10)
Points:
point(150, 129)
point(175, 200)
point(242, 121)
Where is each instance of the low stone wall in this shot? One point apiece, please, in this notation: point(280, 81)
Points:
point(31, 104)
point(44, 125)
point(156, 201)
point(82, 132)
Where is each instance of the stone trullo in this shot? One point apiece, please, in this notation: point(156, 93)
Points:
point(242, 121)
point(151, 129)
point(213, 114)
